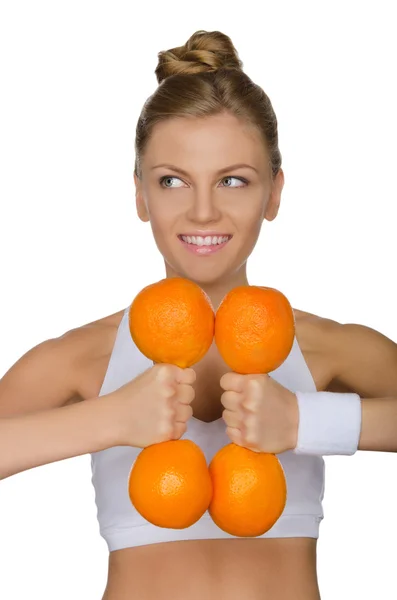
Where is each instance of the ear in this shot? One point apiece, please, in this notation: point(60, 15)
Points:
point(273, 204)
point(141, 207)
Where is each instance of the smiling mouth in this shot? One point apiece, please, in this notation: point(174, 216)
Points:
point(204, 245)
point(207, 240)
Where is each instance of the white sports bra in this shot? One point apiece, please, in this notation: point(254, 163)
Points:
point(122, 526)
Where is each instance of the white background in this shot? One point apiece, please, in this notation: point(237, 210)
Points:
point(74, 76)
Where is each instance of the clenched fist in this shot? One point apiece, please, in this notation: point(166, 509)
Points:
point(152, 408)
point(260, 414)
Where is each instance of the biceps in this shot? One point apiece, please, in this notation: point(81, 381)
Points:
point(39, 380)
point(370, 368)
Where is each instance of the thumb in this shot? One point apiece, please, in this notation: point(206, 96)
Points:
point(187, 376)
point(168, 373)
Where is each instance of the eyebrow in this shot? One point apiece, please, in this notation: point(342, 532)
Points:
point(223, 170)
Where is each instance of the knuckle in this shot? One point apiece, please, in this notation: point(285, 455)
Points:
point(251, 403)
point(255, 384)
point(189, 394)
point(185, 412)
point(179, 431)
point(224, 381)
point(162, 372)
point(250, 437)
point(158, 369)
point(250, 432)
point(166, 430)
point(225, 398)
point(190, 375)
point(234, 435)
point(250, 421)
point(232, 419)
point(167, 391)
point(229, 399)
point(168, 412)
point(226, 416)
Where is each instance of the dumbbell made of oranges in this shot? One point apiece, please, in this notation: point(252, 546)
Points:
point(170, 485)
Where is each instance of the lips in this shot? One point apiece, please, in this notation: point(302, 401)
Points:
point(204, 245)
point(205, 240)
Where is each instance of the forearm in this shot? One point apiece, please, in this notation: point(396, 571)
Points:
point(32, 440)
point(336, 423)
point(378, 425)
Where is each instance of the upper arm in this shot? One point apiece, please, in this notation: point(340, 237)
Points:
point(45, 377)
point(365, 361)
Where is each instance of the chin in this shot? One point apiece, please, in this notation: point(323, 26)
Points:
point(204, 275)
point(206, 279)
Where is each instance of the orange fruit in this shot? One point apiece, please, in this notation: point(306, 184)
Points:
point(172, 321)
point(254, 329)
point(249, 491)
point(170, 485)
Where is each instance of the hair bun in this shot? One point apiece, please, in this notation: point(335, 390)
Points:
point(204, 51)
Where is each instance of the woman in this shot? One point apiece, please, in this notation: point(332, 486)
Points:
point(207, 172)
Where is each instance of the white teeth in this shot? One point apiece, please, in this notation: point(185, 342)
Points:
point(208, 240)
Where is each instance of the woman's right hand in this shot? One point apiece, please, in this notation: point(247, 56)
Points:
point(152, 408)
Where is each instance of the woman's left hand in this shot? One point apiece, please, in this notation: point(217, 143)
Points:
point(260, 413)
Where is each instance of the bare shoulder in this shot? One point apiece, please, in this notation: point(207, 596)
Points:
point(313, 331)
point(92, 338)
point(61, 370)
point(91, 346)
point(313, 334)
point(346, 354)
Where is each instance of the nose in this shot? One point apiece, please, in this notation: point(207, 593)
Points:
point(203, 208)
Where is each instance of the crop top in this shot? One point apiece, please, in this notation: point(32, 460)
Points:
point(122, 526)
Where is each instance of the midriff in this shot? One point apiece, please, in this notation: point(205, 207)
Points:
point(237, 569)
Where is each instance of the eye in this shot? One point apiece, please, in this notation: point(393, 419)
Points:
point(241, 179)
point(167, 179)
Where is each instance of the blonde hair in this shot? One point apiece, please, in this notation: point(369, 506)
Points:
point(205, 77)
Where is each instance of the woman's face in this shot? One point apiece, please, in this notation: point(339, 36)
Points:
point(205, 213)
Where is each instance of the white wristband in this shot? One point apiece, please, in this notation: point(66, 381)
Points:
point(329, 423)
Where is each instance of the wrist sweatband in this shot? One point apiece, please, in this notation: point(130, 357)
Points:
point(329, 423)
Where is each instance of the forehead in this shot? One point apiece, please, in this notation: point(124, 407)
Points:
point(211, 140)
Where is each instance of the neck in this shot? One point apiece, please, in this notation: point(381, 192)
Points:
point(217, 290)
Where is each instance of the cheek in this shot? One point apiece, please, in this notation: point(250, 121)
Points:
point(251, 233)
point(248, 208)
point(250, 219)
point(162, 220)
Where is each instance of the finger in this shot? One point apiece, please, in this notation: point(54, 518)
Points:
point(185, 393)
point(179, 430)
point(166, 429)
point(168, 391)
point(187, 376)
point(168, 410)
point(250, 433)
point(232, 382)
point(254, 396)
point(183, 413)
point(235, 435)
point(232, 419)
point(165, 373)
point(231, 400)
